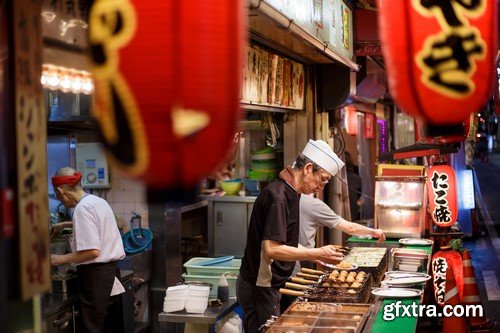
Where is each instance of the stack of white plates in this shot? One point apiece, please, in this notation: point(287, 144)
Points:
point(175, 298)
point(197, 299)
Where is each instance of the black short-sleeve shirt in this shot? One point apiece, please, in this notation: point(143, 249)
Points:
point(275, 216)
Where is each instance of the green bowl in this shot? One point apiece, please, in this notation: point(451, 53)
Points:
point(231, 186)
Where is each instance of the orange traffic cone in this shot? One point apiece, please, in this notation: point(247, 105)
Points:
point(452, 324)
point(471, 294)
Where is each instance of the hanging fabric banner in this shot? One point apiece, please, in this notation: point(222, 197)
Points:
point(167, 81)
point(440, 56)
point(442, 191)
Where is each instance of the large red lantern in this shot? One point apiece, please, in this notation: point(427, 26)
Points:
point(440, 56)
point(442, 261)
point(442, 192)
point(167, 79)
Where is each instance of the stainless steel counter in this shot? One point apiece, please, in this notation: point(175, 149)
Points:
point(209, 317)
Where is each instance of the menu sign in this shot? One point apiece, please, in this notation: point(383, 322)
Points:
point(66, 21)
point(272, 80)
point(32, 198)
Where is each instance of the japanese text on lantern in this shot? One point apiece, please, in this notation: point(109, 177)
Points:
point(439, 267)
point(111, 27)
point(447, 58)
point(440, 186)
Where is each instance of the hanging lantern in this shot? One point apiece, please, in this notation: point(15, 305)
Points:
point(444, 260)
point(167, 82)
point(442, 190)
point(440, 56)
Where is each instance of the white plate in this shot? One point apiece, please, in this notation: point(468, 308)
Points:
point(396, 292)
point(339, 268)
point(400, 274)
point(416, 241)
point(406, 281)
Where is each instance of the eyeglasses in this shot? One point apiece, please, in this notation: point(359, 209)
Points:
point(324, 179)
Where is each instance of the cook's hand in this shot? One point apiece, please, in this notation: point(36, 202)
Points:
point(378, 233)
point(57, 228)
point(329, 254)
point(56, 260)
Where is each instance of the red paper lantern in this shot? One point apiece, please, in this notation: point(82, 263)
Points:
point(441, 262)
point(167, 77)
point(442, 192)
point(440, 56)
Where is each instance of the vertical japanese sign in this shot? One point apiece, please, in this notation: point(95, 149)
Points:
point(442, 261)
point(32, 198)
point(442, 190)
point(440, 56)
point(439, 268)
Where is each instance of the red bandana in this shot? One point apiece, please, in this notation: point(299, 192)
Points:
point(66, 180)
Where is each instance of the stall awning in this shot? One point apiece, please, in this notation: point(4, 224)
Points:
point(270, 26)
point(419, 150)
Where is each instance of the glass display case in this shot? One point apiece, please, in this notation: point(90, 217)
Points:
point(400, 205)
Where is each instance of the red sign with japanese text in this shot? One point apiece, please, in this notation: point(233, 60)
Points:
point(440, 56)
point(441, 262)
point(168, 76)
point(442, 192)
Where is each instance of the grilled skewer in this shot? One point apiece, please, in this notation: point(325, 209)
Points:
point(302, 281)
point(311, 271)
point(308, 276)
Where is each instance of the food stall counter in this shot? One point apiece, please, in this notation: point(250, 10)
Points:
point(398, 324)
point(376, 322)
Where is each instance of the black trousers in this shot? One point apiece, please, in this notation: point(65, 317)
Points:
point(258, 304)
point(99, 312)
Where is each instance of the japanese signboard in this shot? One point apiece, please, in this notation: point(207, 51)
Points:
point(442, 190)
point(167, 95)
point(442, 261)
point(32, 198)
point(272, 80)
point(440, 56)
point(439, 268)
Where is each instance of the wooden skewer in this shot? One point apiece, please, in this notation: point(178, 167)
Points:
point(302, 281)
point(296, 286)
point(311, 271)
point(308, 276)
point(291, 292)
